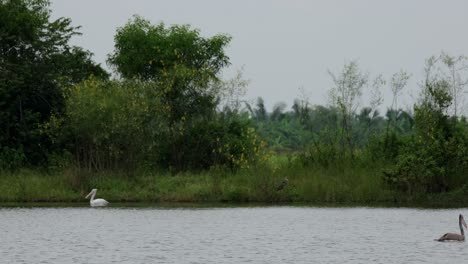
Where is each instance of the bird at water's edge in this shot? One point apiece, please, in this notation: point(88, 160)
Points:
point(283, 184)
point(96, 202)
point(453, 236)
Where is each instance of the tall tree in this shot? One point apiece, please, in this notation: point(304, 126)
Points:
point(454, 70)
point(396, 116)
point(184, 68)
point(36, 62)
point(345, 95)
point(178, 58)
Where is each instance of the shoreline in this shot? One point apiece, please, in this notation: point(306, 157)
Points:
point(222, 205)
point(309, 187)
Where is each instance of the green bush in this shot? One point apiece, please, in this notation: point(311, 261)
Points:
point(435, 159)
point(11, 159)
point(228, 141)
point(122, 125)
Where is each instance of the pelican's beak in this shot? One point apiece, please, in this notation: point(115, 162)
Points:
point(89, 194)
point(464, 223)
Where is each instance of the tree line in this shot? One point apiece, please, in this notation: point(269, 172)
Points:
point(167, 107)
point(61, 108)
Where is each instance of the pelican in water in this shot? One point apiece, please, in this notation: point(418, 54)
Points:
point(96, 202)
point(283, 184)
point(453, 236)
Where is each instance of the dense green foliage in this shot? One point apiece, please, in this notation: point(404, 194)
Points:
point(435, 158)
point(36, 62)
point(181, 70)
point(184, 64)
point(153, 51)
point(113, 125)
point(171, 129)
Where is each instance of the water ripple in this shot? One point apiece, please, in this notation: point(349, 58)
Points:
point(231, 235)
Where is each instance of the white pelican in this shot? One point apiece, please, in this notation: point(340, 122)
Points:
point(453, 236)
point(96, 202)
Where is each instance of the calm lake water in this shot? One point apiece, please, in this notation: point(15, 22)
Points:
point(229, 235)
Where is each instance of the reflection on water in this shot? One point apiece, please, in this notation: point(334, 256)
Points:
point(228, 235)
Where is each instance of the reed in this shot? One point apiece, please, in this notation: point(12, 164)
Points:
point(340, 184)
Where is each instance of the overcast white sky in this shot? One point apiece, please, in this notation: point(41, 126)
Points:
point(285, 45)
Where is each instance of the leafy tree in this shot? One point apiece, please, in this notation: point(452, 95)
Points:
point(301, 109)
point(278, 111)
point(368, 124)
point(261, 112)
point(178, 57)
point(454, 70)
point(397, 84)
point(345, 95)
point(183, 68)
point(151, 51)
point(36, 62)
point(435, 158)
point(121, 125)
point(231, 92)
point(109, 124)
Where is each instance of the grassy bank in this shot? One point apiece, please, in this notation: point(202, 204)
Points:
point(309, 185)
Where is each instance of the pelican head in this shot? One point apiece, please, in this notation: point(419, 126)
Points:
point(93, 191)
point(462, 220)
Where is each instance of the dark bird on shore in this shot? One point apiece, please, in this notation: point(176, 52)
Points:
point(453, 236)
point(283, 184)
